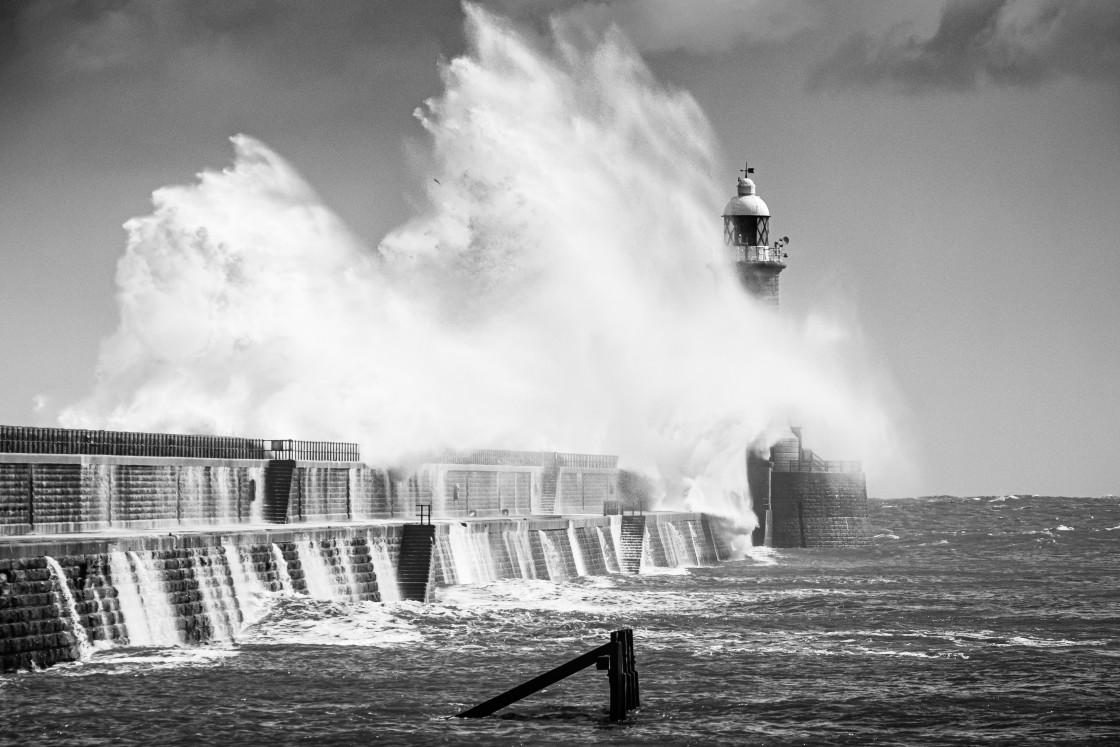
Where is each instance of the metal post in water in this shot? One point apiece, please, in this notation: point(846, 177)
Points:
point(617, 657)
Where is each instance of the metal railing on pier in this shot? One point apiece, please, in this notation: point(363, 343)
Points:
point(17, 439)
point(503, 458)
point(816, 465)
point(326, 451)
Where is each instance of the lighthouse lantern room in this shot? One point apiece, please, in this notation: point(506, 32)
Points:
point(746, 233)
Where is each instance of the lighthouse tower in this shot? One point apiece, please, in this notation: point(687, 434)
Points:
point(799, 499)
point(746, 232)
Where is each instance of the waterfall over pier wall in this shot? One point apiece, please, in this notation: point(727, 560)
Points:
point(118, 539)
point(62, 597)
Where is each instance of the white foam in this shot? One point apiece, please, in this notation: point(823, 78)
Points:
point(305, 621)
point(128, 661)
point(762, 555)
point(81, 638)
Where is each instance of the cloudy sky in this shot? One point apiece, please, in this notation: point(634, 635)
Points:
point(949, 177)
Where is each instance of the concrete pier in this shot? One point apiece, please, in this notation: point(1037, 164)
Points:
point(161, 540)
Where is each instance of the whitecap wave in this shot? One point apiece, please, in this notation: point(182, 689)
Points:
point(762, 555)
point(127, 660)
point(312, 622)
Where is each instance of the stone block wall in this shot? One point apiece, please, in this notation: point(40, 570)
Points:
point(32, 631)
point(320, 494)
point(369, 494)
point(332, 492)
point(536, 548)
point(145, 496)
point(760, 279)
point(585, 491)
point(481, 491)
point(188, 586)
point(15, 499)
point(598, 559)
point(818, 509)
point(216, 494)
point(59, 494)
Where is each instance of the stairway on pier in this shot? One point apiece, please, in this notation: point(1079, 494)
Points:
point(633, 538)
point(277, 490)
point(415, 564)
point(550, 478)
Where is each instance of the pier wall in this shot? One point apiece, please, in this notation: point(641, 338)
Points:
point(65, 493)
point(60, 596)
point(818, 509)
point(173, 589)
point(113, 538)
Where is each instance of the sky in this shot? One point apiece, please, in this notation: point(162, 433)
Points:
point(948, 175)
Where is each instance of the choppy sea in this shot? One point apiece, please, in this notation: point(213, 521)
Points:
point(966, 621)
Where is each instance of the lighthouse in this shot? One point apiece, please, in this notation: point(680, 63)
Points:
point(798, 498)
point(746, 234)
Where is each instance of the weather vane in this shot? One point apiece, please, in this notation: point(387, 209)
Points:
point(747, 170)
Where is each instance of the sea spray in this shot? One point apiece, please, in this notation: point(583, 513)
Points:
point(516, 539)
point(557, 292)
point(132, 608)
point(209, 574)
point(282, 576)
point(606, 546)
point(348, 580)
point(148, 618)
point(577, 551)
point(383, 567)
point(66, 603)
point(247, 587)
point(554, 561)
point(154, 603)
point(315, 573)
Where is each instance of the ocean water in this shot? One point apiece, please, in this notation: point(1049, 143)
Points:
point(990, 621)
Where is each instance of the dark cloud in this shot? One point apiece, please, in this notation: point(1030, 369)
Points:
point(126, 71)
point(1000, 42)
point(49, 41)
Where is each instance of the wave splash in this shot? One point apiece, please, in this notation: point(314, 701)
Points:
point(557, 292)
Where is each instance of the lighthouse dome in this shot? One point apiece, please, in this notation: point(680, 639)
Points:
point(747, 202)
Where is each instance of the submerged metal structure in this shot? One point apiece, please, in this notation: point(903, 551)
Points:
point(616, 657)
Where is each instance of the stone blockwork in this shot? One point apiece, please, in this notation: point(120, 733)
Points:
point(15, 498)
point(61, 494)
point(561, 549)
point(760, 279)
point(191, 586)
point(818, 509)
point(584, 491)
point(34, 633)
point(370, 494)
point(682, 540)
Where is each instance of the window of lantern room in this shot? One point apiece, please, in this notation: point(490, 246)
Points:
point(747, 230)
